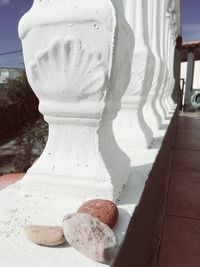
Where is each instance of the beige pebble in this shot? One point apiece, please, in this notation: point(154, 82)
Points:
point(45, 235)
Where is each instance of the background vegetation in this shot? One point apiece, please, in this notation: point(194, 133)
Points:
point(20, 119)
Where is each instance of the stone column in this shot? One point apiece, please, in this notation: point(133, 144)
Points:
point(171, 103)
point(78, 57)
point(164, 53)
point(163, 47)
point(171, 81)
point(177, 44)
point(172, 35)
point(189, 77)
point(177, 70)
point(120, 5)
point(171, 8)
point(152, 114)
point(130, 127)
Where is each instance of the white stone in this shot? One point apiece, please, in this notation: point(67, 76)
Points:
point(79, 68)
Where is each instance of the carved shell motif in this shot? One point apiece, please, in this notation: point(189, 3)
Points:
point(65, 71)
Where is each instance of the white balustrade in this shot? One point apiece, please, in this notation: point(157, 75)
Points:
point(78, 57)
point(86, 59)
point(80, 68)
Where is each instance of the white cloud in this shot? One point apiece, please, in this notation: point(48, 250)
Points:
point(4, 2)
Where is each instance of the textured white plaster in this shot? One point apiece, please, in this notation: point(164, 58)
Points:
point(172, 32)
point(79, 68)
point(19, 210)
point(152, 115)
point(184, 70)
point(130, 127)
point(78, 57)
point(196, 80)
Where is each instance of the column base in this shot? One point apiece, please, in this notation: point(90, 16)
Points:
point(62, 186)
point(79, 161)
point(78, 187)
point(131, 130)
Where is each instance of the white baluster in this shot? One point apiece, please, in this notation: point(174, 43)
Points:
point(168, 57)
point(130, 127)
point(163, 46)
point(78, 57)
point(171, 105)
point(174, 35)
point(165, 84)
point(172, 23)
point(189, 78)
point(153, 115)
point(119, 5)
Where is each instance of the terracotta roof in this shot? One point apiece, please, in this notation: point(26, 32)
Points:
point(191, 45)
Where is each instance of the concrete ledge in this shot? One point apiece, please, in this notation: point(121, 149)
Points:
point(143, 237)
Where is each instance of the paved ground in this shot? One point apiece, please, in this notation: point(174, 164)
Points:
point(181, 237)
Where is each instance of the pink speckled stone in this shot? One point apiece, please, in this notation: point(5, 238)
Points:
point(90, 236)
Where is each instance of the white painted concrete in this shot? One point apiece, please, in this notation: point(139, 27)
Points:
point(184, 70)
point(183, 76)
point(196, 80)
point(130, 127)
point(9, 73)
point(173, 17)
point(189, 78)
point(79, 68)
point(4, 75)
point(20, 209)
point(152, 115)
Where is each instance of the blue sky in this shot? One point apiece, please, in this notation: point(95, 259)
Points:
point(190, 20)
point(12, 10)
point(10, 13)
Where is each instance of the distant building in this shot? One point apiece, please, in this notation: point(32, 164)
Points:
point(9, 73)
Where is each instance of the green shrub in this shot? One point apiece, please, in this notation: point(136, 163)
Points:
point(20, 91)
point(35, 129)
